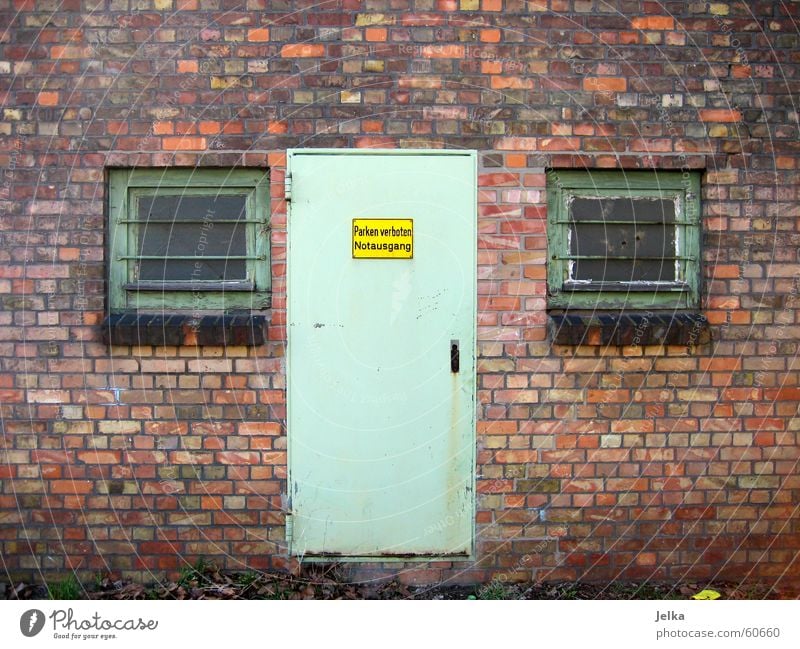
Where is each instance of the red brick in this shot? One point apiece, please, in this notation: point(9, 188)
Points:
point(50, 457)
point(717, 364)
point(517, 143)
point(12, 396)
point(782, 394)
point(764, 439)
point(259, 428)
point(720, 115)
point(511, 83)
point(166, 427)
point(605, 84)
point(66, 51)
point(694, 513)
point(99, 457)
point(499, 304)
point(741, 71)
point(145, 457)
point(47, 99)
point(232, 457)
point(71, 486)
point(559, 144)
point(653, 22)
point(608, 396)
point(723, 271)
point(498, 180)
point(184, 143)
point(163, 128)
point(495, 486)
point(303, 50)
point(373, 34)
point(259, 35)
point(209, 128)
point(189, 66)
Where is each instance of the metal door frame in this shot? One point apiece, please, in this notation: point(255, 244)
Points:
point(287, 504)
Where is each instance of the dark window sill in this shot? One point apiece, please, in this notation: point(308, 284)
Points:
point(176, 330)
point(624, 329)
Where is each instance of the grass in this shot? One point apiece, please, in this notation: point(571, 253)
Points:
point(247, 578)
point(496, 590)
point(194, 576)
point(569, 591)
point(68, 588)
point(621, 590)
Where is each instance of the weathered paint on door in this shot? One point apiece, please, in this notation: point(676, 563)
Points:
point(381, 428)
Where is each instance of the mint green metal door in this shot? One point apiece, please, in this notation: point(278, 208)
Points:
point(381, 356)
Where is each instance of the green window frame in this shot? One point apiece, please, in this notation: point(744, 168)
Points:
point(681, 234)
point(128, 231)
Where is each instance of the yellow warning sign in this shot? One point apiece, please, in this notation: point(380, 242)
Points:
point(383, 238)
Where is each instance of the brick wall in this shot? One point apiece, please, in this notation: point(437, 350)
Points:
point(595, 462)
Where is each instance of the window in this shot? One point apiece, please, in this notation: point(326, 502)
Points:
point(623, 239)
point(189, 239)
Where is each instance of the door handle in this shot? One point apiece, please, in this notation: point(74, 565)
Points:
point(455, 356)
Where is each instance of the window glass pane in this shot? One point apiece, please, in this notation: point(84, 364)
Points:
point(649, 234)
point(622, 240)
point(617, 270)
point(180, 207)
point(196, 241)
point(623, 209)
point(185, 270)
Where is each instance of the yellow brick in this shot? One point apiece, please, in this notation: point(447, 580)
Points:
point(163, 5)
point(352, 67)
point(303, 97)
point(350, 97)
point(374, 66)
point(375, 97)
point(718, 130)
point(469, 5)
point(221, 83)
point(367, 20)
point(234, 67)
point(119, 427)
point(718, 9)
point(165, 113)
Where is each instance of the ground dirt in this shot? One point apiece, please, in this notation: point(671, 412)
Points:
point(205, 581)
